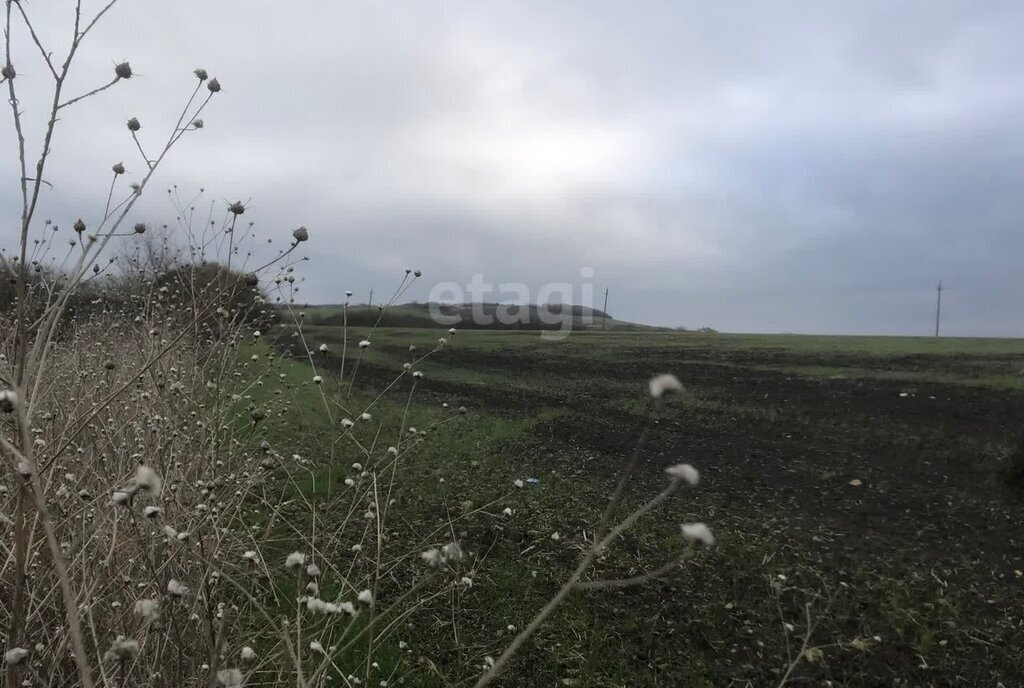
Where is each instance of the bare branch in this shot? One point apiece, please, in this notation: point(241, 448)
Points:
point(35, 39)
point(90, 93)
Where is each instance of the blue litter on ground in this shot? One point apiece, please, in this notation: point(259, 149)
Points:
point(533, 481)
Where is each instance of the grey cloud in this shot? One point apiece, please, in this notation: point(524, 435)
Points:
point(785, 166)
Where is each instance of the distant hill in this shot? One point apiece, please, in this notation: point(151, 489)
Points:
point(483, 316)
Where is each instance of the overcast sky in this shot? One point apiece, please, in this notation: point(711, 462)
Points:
point(751, 166)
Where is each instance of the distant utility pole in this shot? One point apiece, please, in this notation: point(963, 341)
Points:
point(604, 311)
point(369, 302)
point(938, 308)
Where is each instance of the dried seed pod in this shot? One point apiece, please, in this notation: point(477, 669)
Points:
point(301, 234)
point(133, 124)
point(123, 70)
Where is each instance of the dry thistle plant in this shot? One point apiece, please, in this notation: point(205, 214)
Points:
point(155, 526)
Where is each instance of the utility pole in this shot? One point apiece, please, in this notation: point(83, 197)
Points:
point(604, 311)
point(369, 302)
point(938, 308)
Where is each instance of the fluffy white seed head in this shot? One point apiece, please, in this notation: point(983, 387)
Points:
point(452, 552)
point(147, 481)
point(366, 597)
point(295, 561)
point(318, 606)
point(147, 609)
point(364, 344)
point(15, 655)
point(684, 472)
point(8, 402)
point(230, 678)
point(432, 557)
point(122, 650)
point(664, 384)
point(697, 534)
point(176, 588)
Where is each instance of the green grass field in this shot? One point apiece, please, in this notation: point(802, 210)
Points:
point(869, 471)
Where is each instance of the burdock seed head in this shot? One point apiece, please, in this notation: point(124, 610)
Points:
point(118, 168)
point(213, 85)
point(252, 279)
point(133, 124)
point(236, 208)
point(8, 71)
point(201, 74)
point(140, 228)
point(301, 234)
point(123, 70)
point(79, 226)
